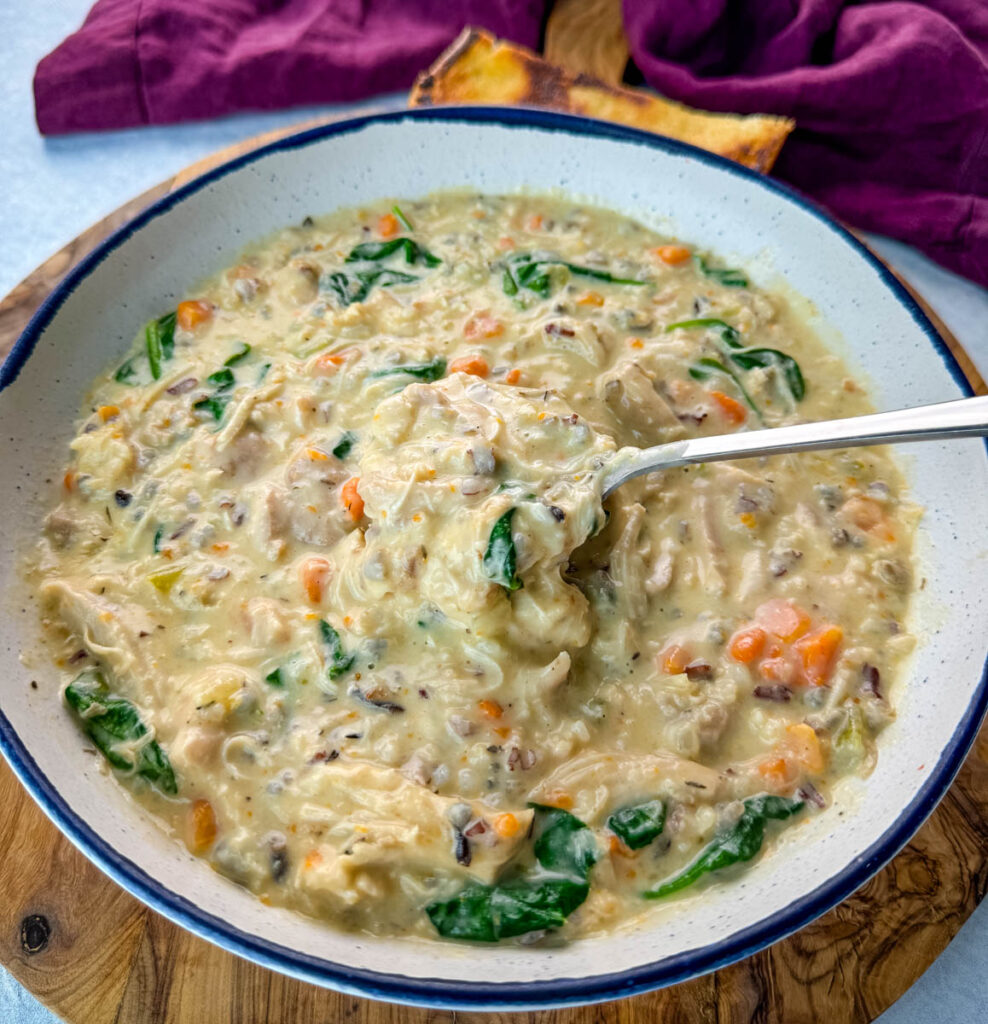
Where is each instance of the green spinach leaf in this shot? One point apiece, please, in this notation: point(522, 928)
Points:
point(565, 850)
point(406, 223)
point(159, 342)
point(730, 278)
point(749, 358)
point(126, 373)
point(532, 272)
point(215, 404)
point(238, 356)
point(704, 369)
point(501, 558)
point(728, 334)
point(638, 825)
point(430, 371)
point(343, 447)
point(414, 253)
point(741, 842)
point(339, 662)
point(114, 725)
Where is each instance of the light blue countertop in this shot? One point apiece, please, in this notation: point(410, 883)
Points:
point(54, 189)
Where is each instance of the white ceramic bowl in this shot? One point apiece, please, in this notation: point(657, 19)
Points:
point(88, 322)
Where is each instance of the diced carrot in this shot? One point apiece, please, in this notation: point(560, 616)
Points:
point(107, 412)
point(313, 573)
point(312, 859)
point(783, 618)
point(778, 670)
point(747, 644)
point(557, 798)
point(491, 708)
point(672, 254)
point(674, 659)
point(483, 326)
point(636, 343)
point(805, 746)
point(505, 243)
point(512, 376)
point(352, 501)
point(747, 519)
point(590, 299)
point(192, 313)
point(502, 731)
point(868, 515)
point(202, 822)
point(817, 652)
point(476, 365)
point(68, 481)
point(220, 546)
point(617, 848)
point(329, 362)
point(534, 222)
point(387, 225)
point(733, 410)
point(317, 455)
point(506, 825)
point(777, 770)
point(865, 513)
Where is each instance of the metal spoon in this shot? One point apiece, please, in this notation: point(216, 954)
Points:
point(965, 418)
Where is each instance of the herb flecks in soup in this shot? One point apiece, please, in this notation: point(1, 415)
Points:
point(335, 592)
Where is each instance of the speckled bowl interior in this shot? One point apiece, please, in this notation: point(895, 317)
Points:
point(89, 321)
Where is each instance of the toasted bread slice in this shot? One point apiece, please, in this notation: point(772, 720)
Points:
point(477, 68)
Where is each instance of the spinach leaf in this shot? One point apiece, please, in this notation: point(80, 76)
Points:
point(638, 825)
point(430, 371)
point(112, 722)
point(126, 372)
point(346, 442)
point(728, 334)
point(731, 278)
point(531, 271)
point(275, 678)
point(339, 662)
point(239, 356)
point(216, 403)
point(350, 288)
point(406, 223)
point(740, 842)
point(500, 558)
point(414, 253)
point(159, 342)
point(565, 850)
point(156, 541)
point(704, 369)
point(749, 358)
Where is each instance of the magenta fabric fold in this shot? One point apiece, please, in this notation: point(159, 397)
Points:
point(136, 62)
point(890, 99)
point(890, 96)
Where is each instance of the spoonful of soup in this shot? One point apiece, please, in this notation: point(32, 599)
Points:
point(967, 417)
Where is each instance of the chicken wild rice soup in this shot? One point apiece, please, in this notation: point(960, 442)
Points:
point(333, 588)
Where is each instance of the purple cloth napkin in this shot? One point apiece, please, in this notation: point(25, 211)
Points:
point(137, 62)
point(890, 99)
point(890, 96)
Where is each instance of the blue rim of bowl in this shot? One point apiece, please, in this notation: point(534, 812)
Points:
point(508, 995)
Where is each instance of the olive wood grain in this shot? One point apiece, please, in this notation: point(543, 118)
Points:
point(95, 955)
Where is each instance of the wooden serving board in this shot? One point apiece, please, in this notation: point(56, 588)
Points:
point(95, 955)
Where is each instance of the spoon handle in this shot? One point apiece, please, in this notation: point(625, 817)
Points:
point(967, 417)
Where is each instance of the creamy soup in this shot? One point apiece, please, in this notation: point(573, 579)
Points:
point(334, 590)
